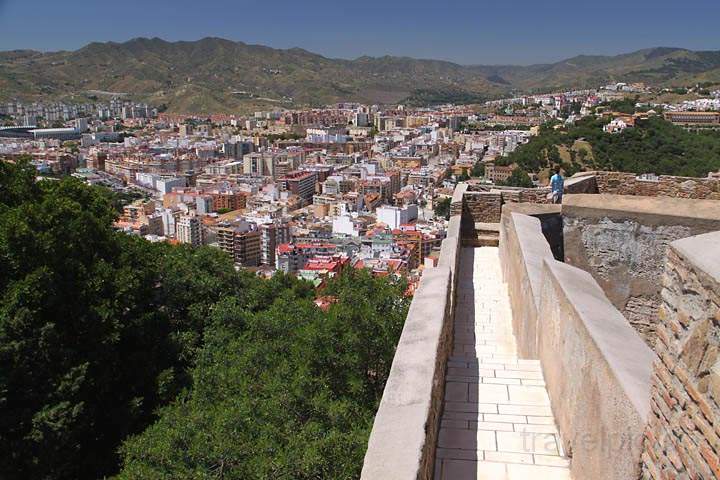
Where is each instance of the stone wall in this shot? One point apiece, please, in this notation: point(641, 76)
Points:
point(597, 371)
point(450, 253)
point(404, 435)
point(456, 203)
point(523, 249)
point(484, 207)
point(483, 203)
point(622, 241)
point(623, 183)
point(683, 436)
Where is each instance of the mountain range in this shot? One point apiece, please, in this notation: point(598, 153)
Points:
point(218, 75)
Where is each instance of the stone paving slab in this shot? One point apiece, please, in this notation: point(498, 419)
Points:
point(496, 421)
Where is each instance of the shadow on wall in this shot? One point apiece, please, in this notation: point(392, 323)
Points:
point(552, 229)
point(458, 439)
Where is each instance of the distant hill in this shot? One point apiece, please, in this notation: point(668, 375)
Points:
point(217, 75)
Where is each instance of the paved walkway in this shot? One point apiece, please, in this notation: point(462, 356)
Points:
point(496, 422)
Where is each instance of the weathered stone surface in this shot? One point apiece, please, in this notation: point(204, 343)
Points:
point(483, 206)
point(523, 249)
point(623, 183)
point(683, 436)
point(598, 374)
point(622, 242)
point(404, 435)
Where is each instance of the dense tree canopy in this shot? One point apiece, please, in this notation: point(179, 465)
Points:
point(518, 178)
point(653, 146)
point(284, 392)
point(106, 337)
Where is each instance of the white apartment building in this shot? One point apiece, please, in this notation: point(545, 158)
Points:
point(189, 230)
point(393, 217)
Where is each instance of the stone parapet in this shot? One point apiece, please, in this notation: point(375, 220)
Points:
point(450, 252)
point(624, 183)
point(682, 439)
point(597, 371)
point(523, 249)
point(404, 435)
point(456, 203)
point(483, 207)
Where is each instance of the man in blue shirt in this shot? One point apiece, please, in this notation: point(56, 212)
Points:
point(557, 185)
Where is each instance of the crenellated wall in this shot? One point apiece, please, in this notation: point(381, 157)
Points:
point(683, 435)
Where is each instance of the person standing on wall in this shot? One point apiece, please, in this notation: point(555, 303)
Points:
point(557, 183)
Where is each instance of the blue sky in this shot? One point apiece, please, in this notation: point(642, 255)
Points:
point(468, 31)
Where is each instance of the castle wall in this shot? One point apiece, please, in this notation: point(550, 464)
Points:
point(682, 439)
point(624, 183)
point(622, 241)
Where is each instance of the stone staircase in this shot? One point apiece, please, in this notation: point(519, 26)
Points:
point(486, 235)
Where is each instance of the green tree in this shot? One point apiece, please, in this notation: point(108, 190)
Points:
point(478, 170)
point(195, 369)
point(518, 178)
point(97, 329)
point(286, 392)
point(582, 154)
point(653, 145)
point(442, 208)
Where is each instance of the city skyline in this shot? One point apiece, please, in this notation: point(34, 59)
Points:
point(460, 32)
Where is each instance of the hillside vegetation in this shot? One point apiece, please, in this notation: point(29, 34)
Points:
point(217, 75)
point(653, 146)
point(159, 361)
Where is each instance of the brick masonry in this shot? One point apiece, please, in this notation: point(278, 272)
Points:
point(624, 183)
point(483, 207)
point(682, 439)
point(483, 203)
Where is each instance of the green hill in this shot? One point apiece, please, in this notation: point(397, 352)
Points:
point(217, 75)
point(652, 146)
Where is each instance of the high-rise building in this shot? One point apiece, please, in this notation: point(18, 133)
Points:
point(186, 130)
point(393, 217)
point(81, 125)
point(189, 230)
point(300, 183)
point(237, 148)
point(242, 241)
point(273, 234)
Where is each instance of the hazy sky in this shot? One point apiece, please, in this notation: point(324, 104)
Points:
point(467, 31)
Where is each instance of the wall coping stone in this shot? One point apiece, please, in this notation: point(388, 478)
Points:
point(458, 193)
point(449, 248)
point(533, 248)
point(531, 209)
point(401, 444)
point(523, 248)
point(703, 251)
point(652, 210)
point(629, 358)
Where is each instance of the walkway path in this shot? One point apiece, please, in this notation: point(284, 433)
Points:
point(496, 423)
